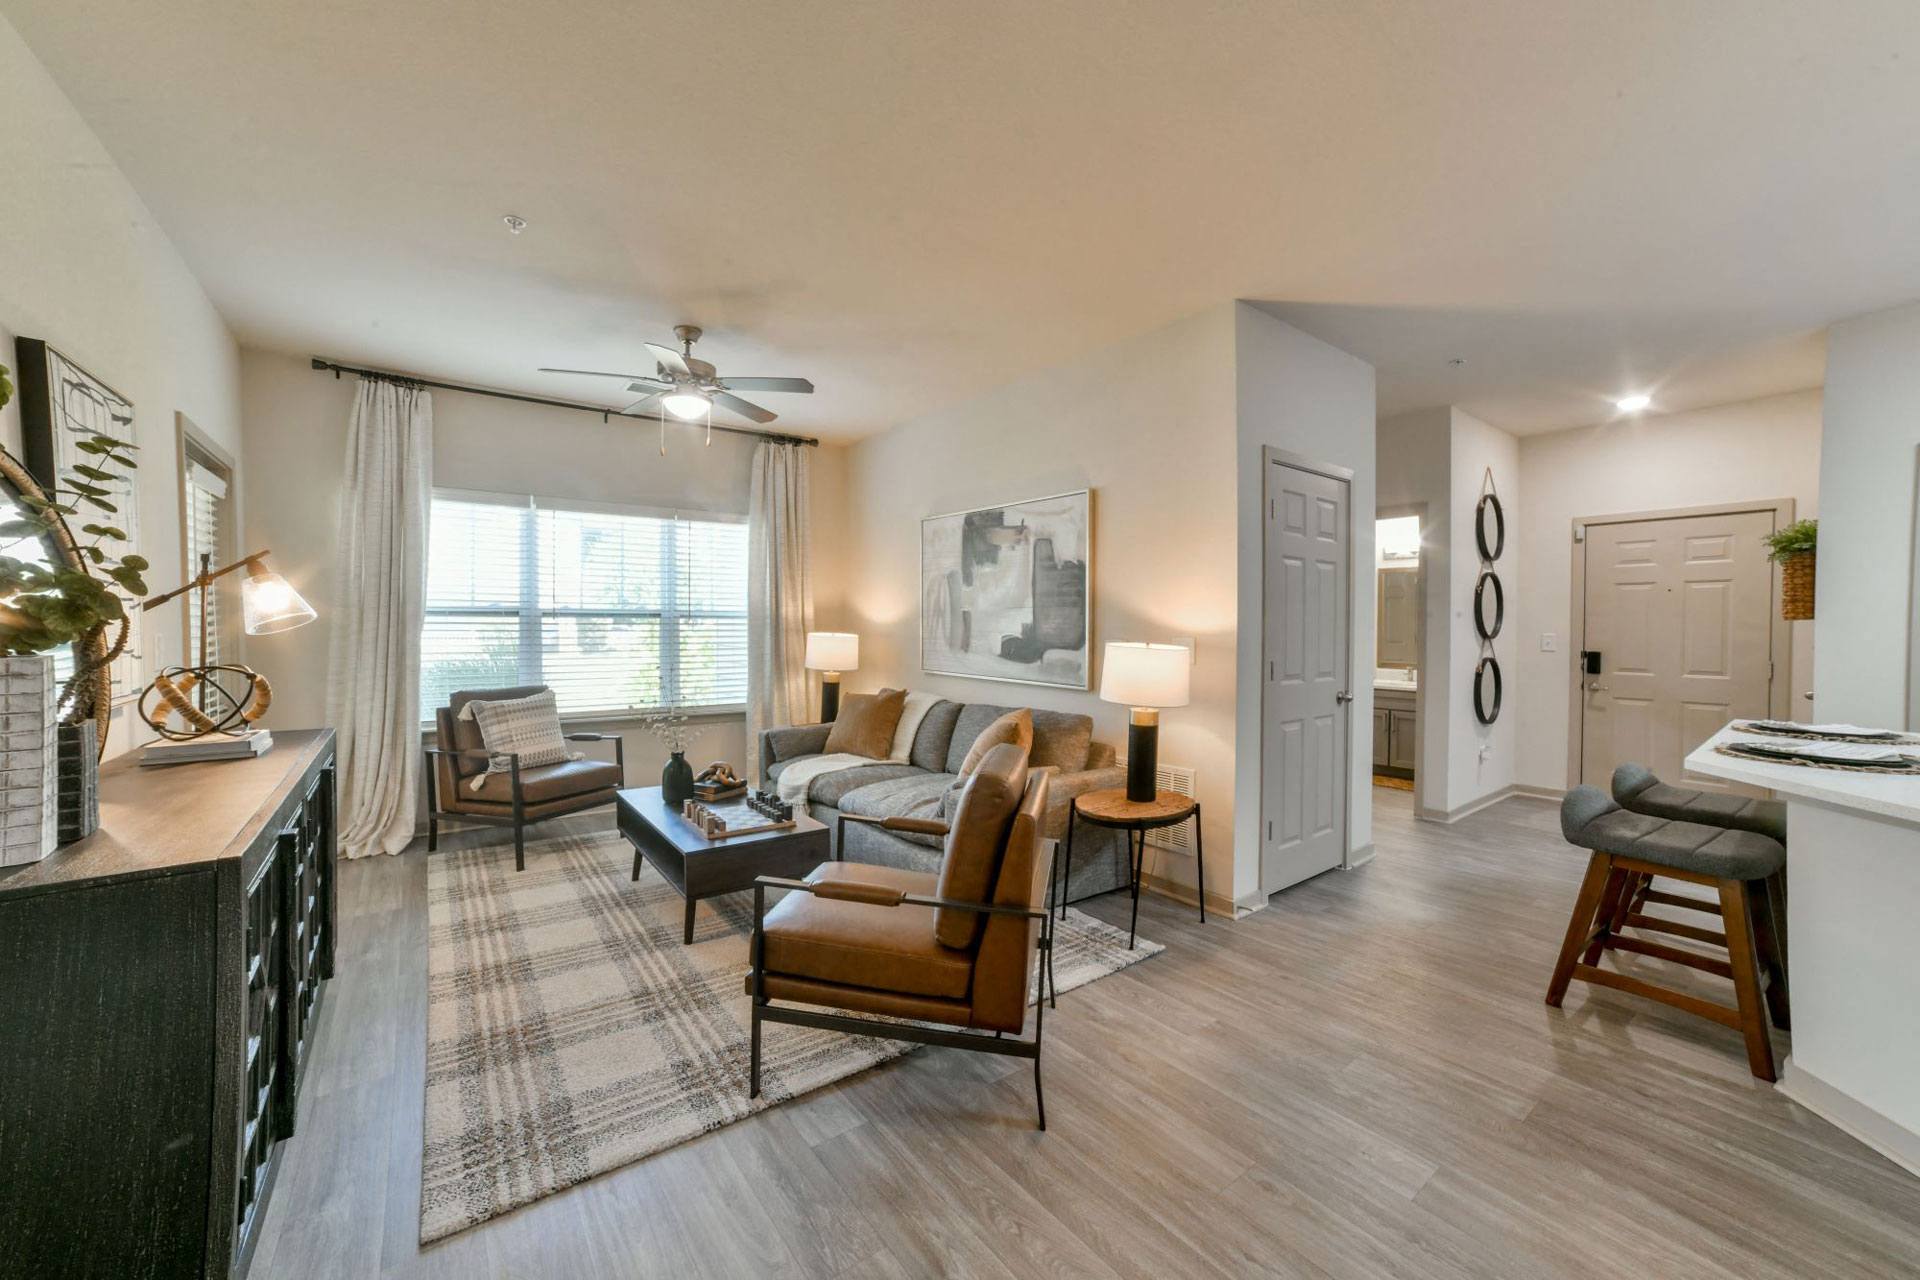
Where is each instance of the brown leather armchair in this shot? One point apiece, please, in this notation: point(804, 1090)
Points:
point(518, 796)
point(959, 948)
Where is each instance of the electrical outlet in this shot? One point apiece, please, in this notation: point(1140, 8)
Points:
point(1549, 642)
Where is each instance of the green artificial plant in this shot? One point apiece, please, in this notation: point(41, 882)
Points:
point(1797, 538)
point(46, 605)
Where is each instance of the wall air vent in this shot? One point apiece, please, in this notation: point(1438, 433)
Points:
point(1179, 837)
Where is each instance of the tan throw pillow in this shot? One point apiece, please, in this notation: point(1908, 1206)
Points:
point(527, 726)
point(1015, 727)
point(866, 723)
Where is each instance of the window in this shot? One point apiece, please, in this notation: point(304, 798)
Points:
point(616, 609)
point(204, 511)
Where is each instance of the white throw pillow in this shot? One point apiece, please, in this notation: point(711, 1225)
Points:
point(528, 726)
point(915, 710)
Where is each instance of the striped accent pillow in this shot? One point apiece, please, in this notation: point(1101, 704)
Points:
point(529, 726)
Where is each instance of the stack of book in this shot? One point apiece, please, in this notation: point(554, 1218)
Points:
point(215, 746)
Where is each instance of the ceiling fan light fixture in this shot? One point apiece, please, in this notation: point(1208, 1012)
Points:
point(688, 406)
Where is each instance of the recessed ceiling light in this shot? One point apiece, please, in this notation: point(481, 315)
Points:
point(1633, 403)
point(515, 223)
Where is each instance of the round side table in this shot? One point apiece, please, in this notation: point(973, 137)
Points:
point(1111, 808)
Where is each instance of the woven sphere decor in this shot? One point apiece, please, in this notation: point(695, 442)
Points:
point(170, 695)
point(1796, 587)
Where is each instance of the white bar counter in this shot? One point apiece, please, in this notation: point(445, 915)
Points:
point(1853, 915)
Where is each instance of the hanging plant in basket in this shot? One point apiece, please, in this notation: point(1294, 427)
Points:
point(1793, 548)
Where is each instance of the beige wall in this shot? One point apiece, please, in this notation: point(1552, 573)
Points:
point(1756, 449)
point(1160, 466)
point(84, 266)
point(293, 459)
point(1865, 566)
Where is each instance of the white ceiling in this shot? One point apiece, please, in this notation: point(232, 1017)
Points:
point(912, 203)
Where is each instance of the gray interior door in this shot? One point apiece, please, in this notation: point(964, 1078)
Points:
point(1303, 761)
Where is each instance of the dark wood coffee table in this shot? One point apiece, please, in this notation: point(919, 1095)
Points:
point(701, 868)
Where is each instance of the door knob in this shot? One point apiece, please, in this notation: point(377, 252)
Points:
point(1343, 697)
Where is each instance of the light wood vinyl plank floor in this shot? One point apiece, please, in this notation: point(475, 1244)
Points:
point(1360, 1081)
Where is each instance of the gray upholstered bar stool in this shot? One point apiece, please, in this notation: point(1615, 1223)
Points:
point(1637, 788)
point(1736, 864)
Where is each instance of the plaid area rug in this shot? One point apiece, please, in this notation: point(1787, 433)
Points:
point(569, 1032)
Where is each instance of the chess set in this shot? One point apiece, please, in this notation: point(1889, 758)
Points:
point(749, 814)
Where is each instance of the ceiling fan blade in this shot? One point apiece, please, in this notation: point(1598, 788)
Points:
point(800, 385)
point(646, 402)
point(595, 373)
point(649, 385)
point(671, 359)
point(745, 408)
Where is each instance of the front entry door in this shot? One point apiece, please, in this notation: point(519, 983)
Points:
point(1304, 774)
point(1680, 611)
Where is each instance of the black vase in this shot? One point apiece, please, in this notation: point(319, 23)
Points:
point(77, 782)
point(676, 781)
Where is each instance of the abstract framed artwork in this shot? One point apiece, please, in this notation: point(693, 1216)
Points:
point(1005, 592)
point(62, 404)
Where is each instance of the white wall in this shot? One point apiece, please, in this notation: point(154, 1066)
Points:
point(1161, 471)
point(1415, 460)
point(1481, 758)
point(293, 460)
point(1867, 460)
point(1756, 449)
point(1296, 393)
point(84, 266)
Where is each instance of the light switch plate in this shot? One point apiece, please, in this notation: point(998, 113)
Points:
point(1549, 643)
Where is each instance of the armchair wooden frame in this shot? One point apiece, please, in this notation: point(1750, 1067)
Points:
point(517, 819)
point(764, 1010)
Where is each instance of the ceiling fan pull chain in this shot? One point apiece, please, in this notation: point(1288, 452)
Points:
point(663, 435)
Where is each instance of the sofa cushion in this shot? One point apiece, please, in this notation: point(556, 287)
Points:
point(1060, 738)
point(917, 796)
point(550, 781)
point(1015, 727)
point(971, 866)
point(861, 945)
point(828, 788)
point(935, 736)
point(866, 723)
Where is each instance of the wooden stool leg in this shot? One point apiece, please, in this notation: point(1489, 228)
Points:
point(1599, 871)
point(1766, 939)
point(1734, 909)
point(1613, 903)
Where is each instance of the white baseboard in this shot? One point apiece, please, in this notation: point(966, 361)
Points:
point(1513, 791)
point(1217, 904)
point(1358, 857)
point(1896, 1142)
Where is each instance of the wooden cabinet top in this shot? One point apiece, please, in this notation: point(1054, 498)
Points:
point(177, 817)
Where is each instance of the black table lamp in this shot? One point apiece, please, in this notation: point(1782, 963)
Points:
point(1144, 677)
point(830, 653)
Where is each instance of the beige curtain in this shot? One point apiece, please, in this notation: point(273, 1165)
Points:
point(380, 581)
point(779, 591)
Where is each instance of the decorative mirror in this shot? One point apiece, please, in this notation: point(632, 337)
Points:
point(1490, 526)
point(15, 483)
point(1488, 594)
point(1487, 690)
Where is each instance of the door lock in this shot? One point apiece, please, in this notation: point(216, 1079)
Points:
point(1343, 697)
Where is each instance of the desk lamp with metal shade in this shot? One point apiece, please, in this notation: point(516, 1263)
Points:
point(830, 653)
point(268, 604)
point(1144, 677)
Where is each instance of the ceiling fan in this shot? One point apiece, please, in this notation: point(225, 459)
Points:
point(688, 387)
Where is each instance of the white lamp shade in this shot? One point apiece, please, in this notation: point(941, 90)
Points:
point(833, 651)
point(1145, 675)
point(268, 603)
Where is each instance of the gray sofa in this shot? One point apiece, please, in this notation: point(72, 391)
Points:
point(1062, 742)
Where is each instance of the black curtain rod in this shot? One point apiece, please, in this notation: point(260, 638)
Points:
point(606, 414)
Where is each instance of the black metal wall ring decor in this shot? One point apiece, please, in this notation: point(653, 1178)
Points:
point(1489, 665)
point(1490, 548)
point(1488, 578)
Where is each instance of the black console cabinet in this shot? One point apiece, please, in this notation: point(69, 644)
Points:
point(158, 987)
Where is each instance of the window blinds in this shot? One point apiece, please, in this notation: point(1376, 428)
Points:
point(615, 609)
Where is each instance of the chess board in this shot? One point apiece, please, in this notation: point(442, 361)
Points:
point(754, 813)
